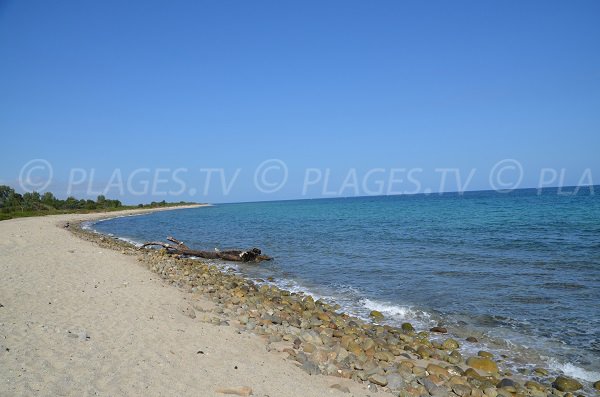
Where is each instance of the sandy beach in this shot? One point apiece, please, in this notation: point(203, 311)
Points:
point(80, 320)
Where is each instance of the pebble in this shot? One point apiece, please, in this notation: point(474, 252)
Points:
point(311, 368)
point(243, 319)
point(439, 330)
point(378, 379)
point(566, 384)
point(395, 381)
point(461, 390)
point(450, 344)
point(309, 348)
point(504, 393)
point(538, 393)
point(376, 315)
point(384, 356)
point(483, 364)
point(433, 389)
point(424, 352)
point(507, 384)
point(407, 327)
point(438, 371)
point(532, 385)
point(477, 393)
point(297, 343)
point(454, 358)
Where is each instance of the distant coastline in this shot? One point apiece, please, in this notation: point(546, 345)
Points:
point(16, 205)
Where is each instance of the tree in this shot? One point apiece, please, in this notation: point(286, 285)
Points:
point(6, 193)
point(71, 203)
point(16, 201)
point(31, 201)
point(49, 199)
point(10, 200)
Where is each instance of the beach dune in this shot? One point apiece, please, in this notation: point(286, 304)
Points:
point(77, 319)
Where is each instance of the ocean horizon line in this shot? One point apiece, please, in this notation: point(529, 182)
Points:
point(542, 190)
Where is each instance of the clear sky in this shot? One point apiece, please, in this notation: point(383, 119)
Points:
point(97, 86)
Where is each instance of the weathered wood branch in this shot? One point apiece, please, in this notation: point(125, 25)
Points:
point(251, 255)
point(180, 244)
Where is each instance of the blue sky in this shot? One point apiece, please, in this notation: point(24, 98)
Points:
point(337, 85)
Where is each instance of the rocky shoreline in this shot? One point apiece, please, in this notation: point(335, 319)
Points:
point(322, 340)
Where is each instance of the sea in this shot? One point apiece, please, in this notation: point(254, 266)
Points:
point(519, 271)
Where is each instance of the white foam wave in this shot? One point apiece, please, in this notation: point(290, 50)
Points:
point(404, 312)
point(573, 371)
point(130, 241)
point(294, 287)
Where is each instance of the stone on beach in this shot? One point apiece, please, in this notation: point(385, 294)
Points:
point(395, 381)
point(483, 364)
point(311, 368)
point(507, 384)
point(378, 379)
point(450, 344)
point(439, 330)
point(455, 357)
point(407, 327)
point(309, 348)
point(461, 390)
point(376, 315)
point(566, 384)
point(438, 371)
point(433, 389)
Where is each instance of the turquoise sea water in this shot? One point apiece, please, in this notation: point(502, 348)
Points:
point(520, 271)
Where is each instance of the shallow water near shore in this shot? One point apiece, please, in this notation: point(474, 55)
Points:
point(519, 271)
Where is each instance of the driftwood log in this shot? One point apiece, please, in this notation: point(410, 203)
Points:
point(251, 255)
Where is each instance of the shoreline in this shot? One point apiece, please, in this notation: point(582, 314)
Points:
point(535, 383)
point(311, 335)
